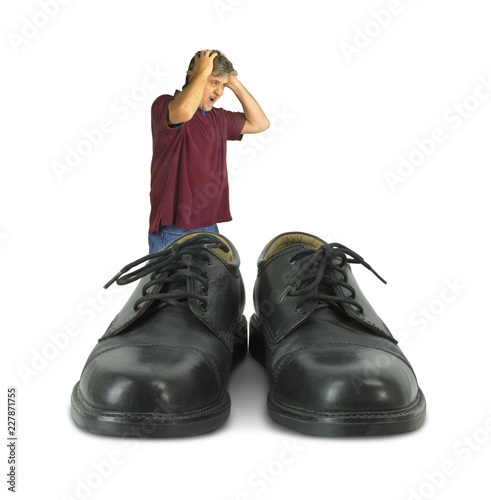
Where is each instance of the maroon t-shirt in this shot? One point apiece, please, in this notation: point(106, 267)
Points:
point(189, 183)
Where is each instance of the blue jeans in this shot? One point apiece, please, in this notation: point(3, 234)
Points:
point(166, 234)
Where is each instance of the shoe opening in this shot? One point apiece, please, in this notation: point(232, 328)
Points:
point(226, 256)
point(290, 239)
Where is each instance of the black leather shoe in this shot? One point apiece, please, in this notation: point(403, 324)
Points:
point(162, 367)
point(334, 367)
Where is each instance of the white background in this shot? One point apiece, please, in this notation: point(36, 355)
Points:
point(347, 119)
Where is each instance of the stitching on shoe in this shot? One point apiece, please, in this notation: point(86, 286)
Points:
point(275, 256)
point(280, 334)
point(354, 415)
point(274, 337)
point(193, 349)
point(386, 334)
point(290, 356)
point(85, 407)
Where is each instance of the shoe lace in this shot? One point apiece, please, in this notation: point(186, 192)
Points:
point(319, 268)
point(172, 266)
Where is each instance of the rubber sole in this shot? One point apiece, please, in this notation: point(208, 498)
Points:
point(148, 424)
point(337, 424)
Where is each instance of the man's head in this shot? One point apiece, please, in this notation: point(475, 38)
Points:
point(217, 81)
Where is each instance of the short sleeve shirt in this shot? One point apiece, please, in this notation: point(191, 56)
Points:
point(189, 182)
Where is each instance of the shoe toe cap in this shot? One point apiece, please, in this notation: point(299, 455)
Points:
point(143, 379)
point(345, 379)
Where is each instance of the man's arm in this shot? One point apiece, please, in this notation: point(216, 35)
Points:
point(256, 120)
point(185, 104)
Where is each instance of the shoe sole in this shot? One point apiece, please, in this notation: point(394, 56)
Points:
point(148, 424)
point(337, 424)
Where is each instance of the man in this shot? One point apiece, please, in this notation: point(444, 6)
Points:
point(189, 183)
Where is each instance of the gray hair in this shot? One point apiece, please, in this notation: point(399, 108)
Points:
point(221, 66)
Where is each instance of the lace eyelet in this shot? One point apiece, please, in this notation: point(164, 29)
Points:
point(298, 307)
point(292, 261)
point(203, 290)
point(204, 305)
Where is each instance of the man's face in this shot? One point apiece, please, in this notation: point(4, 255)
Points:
point(215, 85)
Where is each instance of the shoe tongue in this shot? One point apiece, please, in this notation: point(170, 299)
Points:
point(181, 283)
point(227, 256)
point(174, 285)
point(298, 247)
point(322, 288)
point(292, 251)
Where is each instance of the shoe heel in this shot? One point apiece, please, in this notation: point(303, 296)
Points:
point(256, 342)
point(240, 343)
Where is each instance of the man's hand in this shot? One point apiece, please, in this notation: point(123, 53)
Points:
point(203, 63)
point(185, 104)
point(256, 120)
point(233, 83)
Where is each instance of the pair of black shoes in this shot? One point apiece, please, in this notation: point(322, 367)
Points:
point(162, 367)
